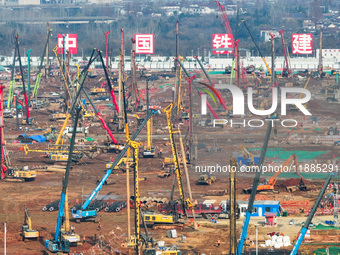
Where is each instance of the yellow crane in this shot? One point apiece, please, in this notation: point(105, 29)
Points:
point(149, 151)
point(27, 232)
point(186, 202)
point(65, 232)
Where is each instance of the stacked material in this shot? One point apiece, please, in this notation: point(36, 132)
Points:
point(278, 241)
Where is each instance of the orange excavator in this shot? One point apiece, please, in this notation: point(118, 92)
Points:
point(268, 185)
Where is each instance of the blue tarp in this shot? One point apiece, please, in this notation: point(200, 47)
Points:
point(29, 139)
point(38, 138)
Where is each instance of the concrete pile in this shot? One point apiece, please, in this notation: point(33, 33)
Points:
point(277, 242)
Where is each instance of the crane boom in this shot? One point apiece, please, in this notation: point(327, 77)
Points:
point(287, 70)
point(291, 160)
point(120, 156)
point(167, 111)
point(193, 82)
point(253, 192)
point(23, 80)
point(304, 229)
point(56, 244)
point(226, 22)
point(257, 47)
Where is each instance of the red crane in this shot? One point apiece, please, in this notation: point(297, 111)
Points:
point(226, 22)
point(107, 49)
point(286, 70)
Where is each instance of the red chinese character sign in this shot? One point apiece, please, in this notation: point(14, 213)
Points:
point(222, 41)
point(70, 43)
point(144, 44)
point(302, 43)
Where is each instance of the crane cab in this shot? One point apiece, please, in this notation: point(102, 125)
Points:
point(148, 152)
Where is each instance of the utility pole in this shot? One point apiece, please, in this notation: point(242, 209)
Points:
point(107, 49)
point(47, 65)
point(273, 60)
point(233, 239)
point(5, 238)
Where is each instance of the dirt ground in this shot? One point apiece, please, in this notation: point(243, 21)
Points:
point(219, 145)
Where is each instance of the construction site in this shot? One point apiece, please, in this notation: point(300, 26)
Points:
point(102, 159)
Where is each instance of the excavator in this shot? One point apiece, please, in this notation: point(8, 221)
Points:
point(27, 232)
point(246, 154)
point(269, 185)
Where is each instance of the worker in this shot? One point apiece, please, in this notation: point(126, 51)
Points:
point(213, 218)
point(160, 153)
point(99, 227)
point(295, 238)
point(218, 243)
point(72, 228)
point(84, 238)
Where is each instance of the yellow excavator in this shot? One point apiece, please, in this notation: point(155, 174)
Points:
point(27, 232)
point(247, 154)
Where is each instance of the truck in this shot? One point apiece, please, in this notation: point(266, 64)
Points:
point(68, 130)
point(111, 147)
point(206, 179)
point(201, 210)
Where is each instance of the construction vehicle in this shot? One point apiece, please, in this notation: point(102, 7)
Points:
point(253, 193)
point(286, 70)
point(221, 211)
point(111, 147)
point(148, 150)
point(57, 243)
point(257, 47)
point(28, 120)
point(65, 233)
point(58, 116)
point(51, 134)
point(84, 213)
point(27, 232)
point(23, 174)
point(185, 202)
point(332, 131)
point(95, 91)
point(301, 186)
point(268, 185)
point(305, 227)
point(138, 240)
point(206, 179)
point(121, 164)
point(248, 156)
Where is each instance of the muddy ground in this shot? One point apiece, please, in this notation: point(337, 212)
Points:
point(216, 147)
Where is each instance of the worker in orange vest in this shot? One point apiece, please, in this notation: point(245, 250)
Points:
point(218, 243)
